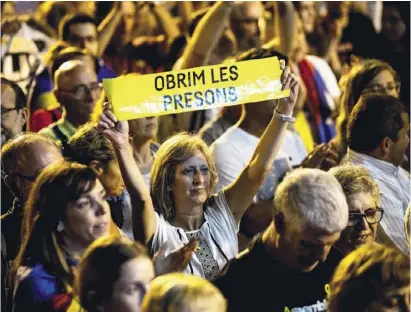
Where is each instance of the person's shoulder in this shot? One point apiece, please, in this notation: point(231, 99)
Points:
point(35, 284)
point(48, 131)
point(246, 261)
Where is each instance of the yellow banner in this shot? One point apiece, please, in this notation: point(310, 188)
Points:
point(136, 96)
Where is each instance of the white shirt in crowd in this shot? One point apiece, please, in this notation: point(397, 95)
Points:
point(394, 183)
point(218, 238)
point(234, 149)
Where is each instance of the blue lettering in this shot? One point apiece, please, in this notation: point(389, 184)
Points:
point(199, 98)
point(177, 100)
point(209, 91)
point(187, 99)
point(167, 101)
point(232, 91)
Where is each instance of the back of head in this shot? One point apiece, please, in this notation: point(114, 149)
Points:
point(173, 152)
point(20, 148)
point(64, 26)
point(366, 275)
point(352, 86)
point(181, 292)
point(356, 179)
point(373, 118)
point(95, 279)
point(311, 198)
point(89, 144)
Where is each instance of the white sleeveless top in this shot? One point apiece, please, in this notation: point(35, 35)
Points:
point(218, 238)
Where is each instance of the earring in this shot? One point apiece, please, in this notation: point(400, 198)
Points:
point(60, 227)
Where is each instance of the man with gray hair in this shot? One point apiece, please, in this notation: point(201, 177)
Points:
point(288, 267)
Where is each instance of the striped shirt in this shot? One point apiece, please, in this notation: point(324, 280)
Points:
point(394, 183)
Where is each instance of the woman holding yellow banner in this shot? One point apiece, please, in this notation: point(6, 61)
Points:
point(180, 205)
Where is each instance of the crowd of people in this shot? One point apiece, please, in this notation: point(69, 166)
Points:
point(296, 204)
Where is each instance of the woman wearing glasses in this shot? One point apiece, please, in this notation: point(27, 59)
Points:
point(364, 77)
point(363, 196)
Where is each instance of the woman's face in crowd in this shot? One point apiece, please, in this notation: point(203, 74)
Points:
point(111, 179)
point(131, 286)
point(308, 15)
point(361, 233)
point(384, 82)
point(144, 128)
point(393, 27)
point(192, 181)
point(88, 218)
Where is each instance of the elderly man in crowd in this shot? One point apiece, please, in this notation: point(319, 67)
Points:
point(13, 110)
point(23, 158)
point(77, 90)
point(378, 136)
point(13, 119)
point(288, 267)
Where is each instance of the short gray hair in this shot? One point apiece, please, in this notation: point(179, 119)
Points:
point(355, 179)
point(312, 198)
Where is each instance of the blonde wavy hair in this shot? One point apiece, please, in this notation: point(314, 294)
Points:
point(182, 292)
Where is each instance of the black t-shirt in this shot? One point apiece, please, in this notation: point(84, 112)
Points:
point(255, 282)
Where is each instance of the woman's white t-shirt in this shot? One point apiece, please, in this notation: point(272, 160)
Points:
point(218, 238)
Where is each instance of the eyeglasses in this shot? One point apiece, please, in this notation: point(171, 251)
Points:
point(80, 92)
point(381, 89)
point(7, 110)
point(372, 216)
point(28, 178)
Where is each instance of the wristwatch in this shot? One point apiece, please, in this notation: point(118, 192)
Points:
point(284, 118)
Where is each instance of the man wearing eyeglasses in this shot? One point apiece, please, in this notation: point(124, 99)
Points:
point(13, 119)
point(378, 136)
point(13, 110)
point(22, 159)
point(77, 90)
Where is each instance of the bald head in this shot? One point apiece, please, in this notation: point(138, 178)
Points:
point(78, 90)
point(71, 70)
point(23, 158)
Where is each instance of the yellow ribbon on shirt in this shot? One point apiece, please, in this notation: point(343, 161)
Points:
point(136, 96)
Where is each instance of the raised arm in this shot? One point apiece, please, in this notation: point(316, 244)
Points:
point(284, 25)
point(144, 219)
point(206, 35)
point(185, 10)
point(166, 21)
point(108, 26)
point(240, 193)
